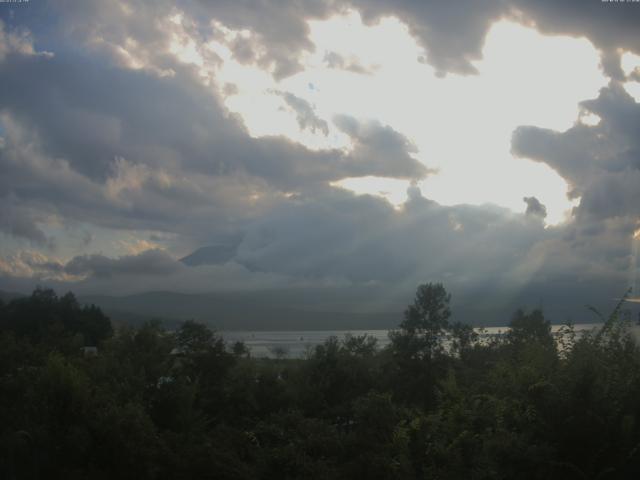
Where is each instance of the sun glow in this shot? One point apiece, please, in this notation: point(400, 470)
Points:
point(461, 125)
point(391, 189)
point(629, 62)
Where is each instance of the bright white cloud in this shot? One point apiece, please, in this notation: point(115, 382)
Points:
point(462, 125)
point(589, 119)
point(633, 89)
point(629, 62)
point(391, 189)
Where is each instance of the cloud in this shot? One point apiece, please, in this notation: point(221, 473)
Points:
point(452, 33)
point(21, 222)
point(601, 162)
point(275, 33)
point(610, 26)
point(534, 207)
point(491, 259)
point(139, 33)
point(36, 265)
point(305, 114)
point(88, 114)
point(364, 239)
point(150, 262)
point(87, 238)
point(150, 270)
point(337, 61)
point(15, 41)
point(32, 265)
point(123, 130)
point(379, 150)
point(278, 31)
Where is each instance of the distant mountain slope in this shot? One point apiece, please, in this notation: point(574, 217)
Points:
point(210, 255)
point(240, 311)
point(8, 296)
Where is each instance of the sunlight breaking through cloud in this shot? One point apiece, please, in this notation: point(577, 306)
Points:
point(462, 125)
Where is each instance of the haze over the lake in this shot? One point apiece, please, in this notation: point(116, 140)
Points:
point(356, 147)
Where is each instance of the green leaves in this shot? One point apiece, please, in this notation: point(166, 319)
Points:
point(429, 313)
point(436, 403)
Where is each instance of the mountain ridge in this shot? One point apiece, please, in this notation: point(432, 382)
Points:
point(237, 311)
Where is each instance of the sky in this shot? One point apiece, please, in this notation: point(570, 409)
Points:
point(493, 146)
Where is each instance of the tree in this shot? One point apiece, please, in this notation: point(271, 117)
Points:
point(418, 347)
point(430, 310)
point(240, 349)
point(59, 322)
point(530, 328)
point(206, 361)
point(425, 322)
point(195, 338)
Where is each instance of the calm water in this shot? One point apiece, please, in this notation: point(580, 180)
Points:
point(295, 344)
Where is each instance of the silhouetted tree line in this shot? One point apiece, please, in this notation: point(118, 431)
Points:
point(439, 402)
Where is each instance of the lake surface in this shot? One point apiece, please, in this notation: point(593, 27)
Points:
point(296, 344)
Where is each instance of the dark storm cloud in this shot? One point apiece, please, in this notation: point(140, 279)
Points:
point(22, 222)
point(602, 162)
point(133, 140)
point(364, 239)
point(305, 114)
point(279, 29)
point(89, 113)
point(452, 33)
point(41, 265)
point(380, 148)
point(70, 119)
point(534, 207)
point(133, 196)
point(608, 25)
point(279, 32)
point(150, 262)
point(491, 259)
point(150, 270)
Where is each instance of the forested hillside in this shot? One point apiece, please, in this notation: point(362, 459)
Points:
point(436, 403)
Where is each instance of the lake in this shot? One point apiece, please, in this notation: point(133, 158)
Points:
point(295, 344)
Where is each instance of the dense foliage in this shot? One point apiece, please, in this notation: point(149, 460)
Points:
point(438, 402)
